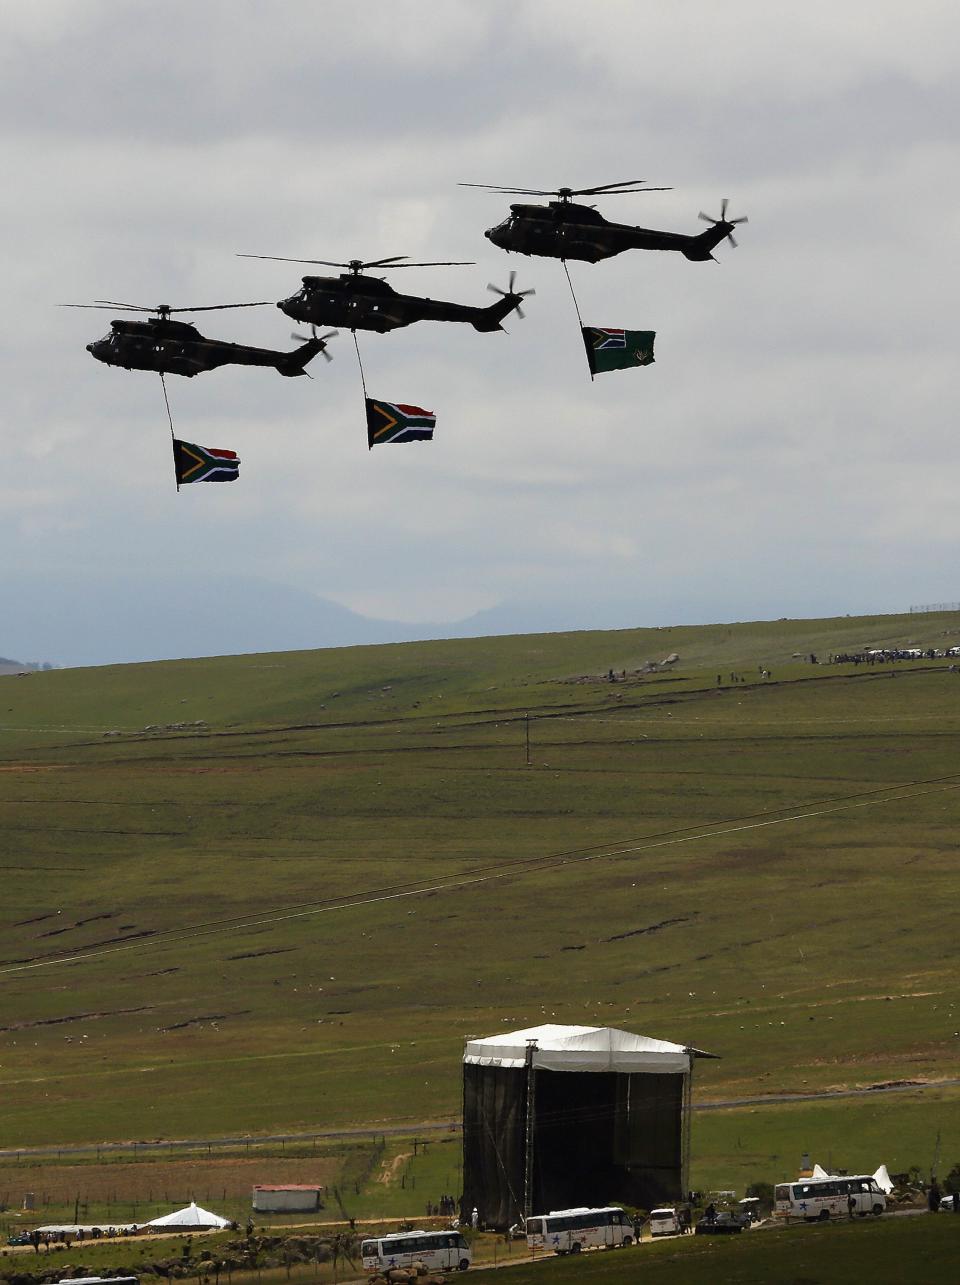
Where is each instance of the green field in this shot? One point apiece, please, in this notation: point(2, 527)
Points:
point(290, 917)
point(885, 1253)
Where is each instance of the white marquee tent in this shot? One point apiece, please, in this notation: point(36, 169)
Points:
point(882, 1177)
point(191, 1218)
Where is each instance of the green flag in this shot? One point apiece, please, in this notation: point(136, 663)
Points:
point(610, 349)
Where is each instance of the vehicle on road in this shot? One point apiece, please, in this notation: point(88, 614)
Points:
point(669, 1221)
point(819, 1199)
point(568, 1231)
point(438, 1251)
point(749, 1208)
point(723, 1224)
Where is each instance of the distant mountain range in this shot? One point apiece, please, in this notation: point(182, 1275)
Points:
point(124, 620)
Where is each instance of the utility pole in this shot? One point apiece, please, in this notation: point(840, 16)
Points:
point(530, 1125)
point(687, 1126)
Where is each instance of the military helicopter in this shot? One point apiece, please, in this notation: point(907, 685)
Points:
point(178, 348)
point(565, 230)
point(370, 303)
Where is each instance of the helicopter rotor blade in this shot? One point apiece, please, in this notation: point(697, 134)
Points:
point(279, 258)
point(162, 309)
point(440, 263)
point(357, 265)
point(625, 191)
point(380, 263)
point(124, 307)
point(605, 187)
point(322, 339)
point(706, 217)
point(624, 188)
point(331, 334)
point(742, 219)
point(512, 293)
point(218, 307)
point(732, 239)
point(723, 209)
point(130, 307)
point(520, 191)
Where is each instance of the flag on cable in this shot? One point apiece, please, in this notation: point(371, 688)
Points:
point(612, 349)
point(397, 422)
point(204, 463)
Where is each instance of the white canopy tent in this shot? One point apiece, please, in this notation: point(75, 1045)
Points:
point(582, 1048)
point(881, 1177)
point(191, 1217)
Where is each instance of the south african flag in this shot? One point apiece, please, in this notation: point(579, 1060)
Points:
point(397, 422)
point(204, 463)
point(611, 349)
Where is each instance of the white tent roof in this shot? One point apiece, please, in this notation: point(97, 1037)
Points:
point(581, 1048)
point(190, 1216)
point(883, 1179)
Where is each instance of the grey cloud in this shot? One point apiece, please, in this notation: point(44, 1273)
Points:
point(786, 452)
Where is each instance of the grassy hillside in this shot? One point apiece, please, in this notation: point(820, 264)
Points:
point(290, 913)
point(884, 1253)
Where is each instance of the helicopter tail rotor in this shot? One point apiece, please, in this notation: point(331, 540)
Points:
point(314, 337)
point(296, 362)
point(723, 221)
point(510, 293)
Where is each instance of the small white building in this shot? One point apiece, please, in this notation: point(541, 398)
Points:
point(291, 1198)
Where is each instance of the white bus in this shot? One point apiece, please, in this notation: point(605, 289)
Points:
point(439, 1251)
point(567, 1231)
point(817, 1199)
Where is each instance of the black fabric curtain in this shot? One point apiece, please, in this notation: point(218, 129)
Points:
point(599, 1138)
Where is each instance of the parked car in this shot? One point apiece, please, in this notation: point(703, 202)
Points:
point(723, 1225)
point(669, 1220)
point(19, 1238)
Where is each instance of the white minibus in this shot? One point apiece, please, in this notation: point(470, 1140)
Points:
point(439, 1251)
point(567, 1231)
point(817, 1199)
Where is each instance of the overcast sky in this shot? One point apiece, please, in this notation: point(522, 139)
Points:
point(793, 451)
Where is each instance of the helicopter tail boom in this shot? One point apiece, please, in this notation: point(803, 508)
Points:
point(491, 318)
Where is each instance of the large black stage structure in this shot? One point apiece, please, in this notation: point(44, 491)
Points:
point(560, 1117)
